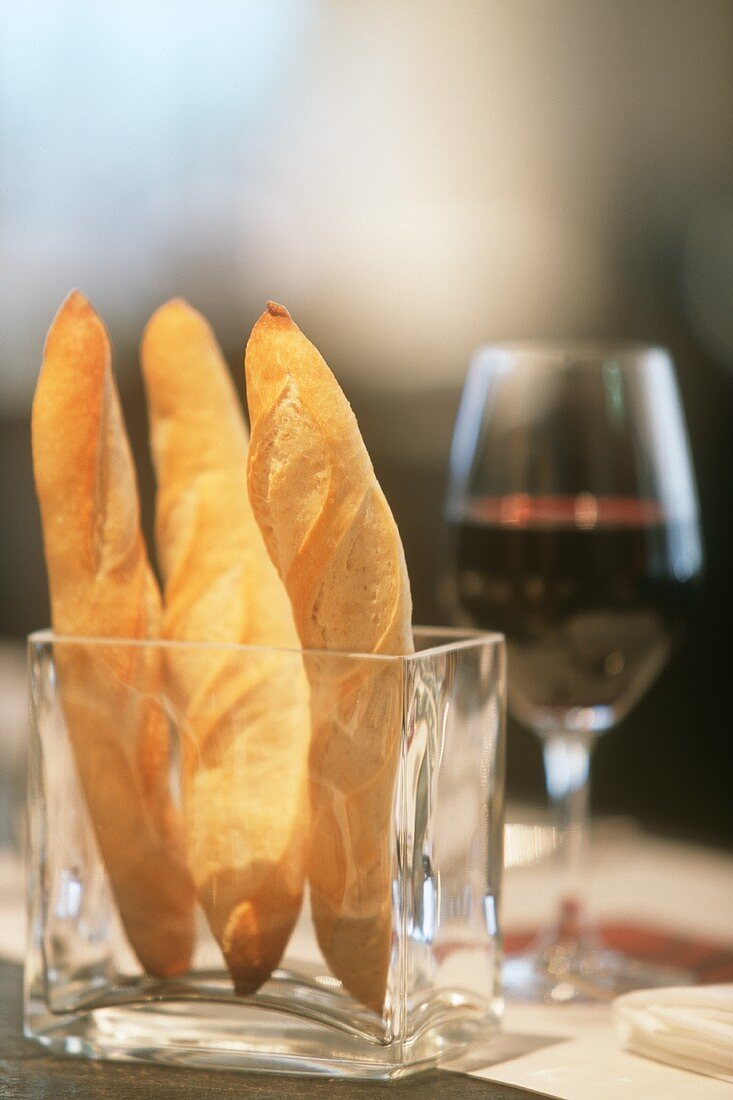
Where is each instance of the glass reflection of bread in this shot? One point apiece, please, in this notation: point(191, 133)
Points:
point(331, 534)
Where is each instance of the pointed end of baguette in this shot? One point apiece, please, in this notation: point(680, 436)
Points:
point(76, 300)
point(176, 341)
point(77, 336)
point(356, 949)
point(172, 306)
point(75, 307)
point(264, 364)
point(167, 314)
point(276, 310)
point(254, 940)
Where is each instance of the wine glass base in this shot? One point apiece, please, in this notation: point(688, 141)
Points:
point(595, 976)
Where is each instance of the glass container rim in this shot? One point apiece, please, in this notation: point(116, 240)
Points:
point(456, 639)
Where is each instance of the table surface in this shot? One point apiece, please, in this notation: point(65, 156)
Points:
point(28, 1073)
point(564, 1052)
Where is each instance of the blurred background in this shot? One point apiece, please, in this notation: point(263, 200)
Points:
point(412, 179)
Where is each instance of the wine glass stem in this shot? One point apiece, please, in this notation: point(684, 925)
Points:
point(567, 772)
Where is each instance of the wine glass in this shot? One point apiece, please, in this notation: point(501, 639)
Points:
point(573, 529)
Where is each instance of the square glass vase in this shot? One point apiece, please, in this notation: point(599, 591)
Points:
point(255, 858)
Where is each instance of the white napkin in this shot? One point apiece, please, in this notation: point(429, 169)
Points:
point(691, 1028)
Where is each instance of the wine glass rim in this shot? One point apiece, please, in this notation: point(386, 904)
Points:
point(566, 351)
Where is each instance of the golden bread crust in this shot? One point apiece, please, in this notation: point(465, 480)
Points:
point(246, 719)
point(332, 536)
point(101, 585)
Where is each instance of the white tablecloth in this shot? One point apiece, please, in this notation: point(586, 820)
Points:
point(572, 1052)
point(587, 1064)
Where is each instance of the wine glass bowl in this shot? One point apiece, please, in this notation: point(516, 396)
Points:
point(572, 529)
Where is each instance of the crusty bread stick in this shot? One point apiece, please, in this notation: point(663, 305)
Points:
point(247, 717)
point(101, 585)
point(331, 534)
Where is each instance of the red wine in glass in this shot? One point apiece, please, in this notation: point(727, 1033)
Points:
point(572, 529)
point(590, 592)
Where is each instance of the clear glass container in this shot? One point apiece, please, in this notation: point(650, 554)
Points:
point(140, 841)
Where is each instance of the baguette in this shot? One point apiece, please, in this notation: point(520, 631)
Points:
point(332, 537)
point(245, 790)
point(101, 585)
